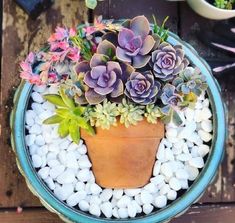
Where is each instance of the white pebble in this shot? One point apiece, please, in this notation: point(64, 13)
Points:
point(84, 162)
point(64, 191)
point(207, 125)
point(79, 186)
point(182, 174)
point(171, 195)
point(84, 175)
point(165, 189)
point(75, 198)
point(146, 197)
point(37, 108)
point(106, 194)
point(117, 193)
point(147, 208)
point(206, 113)
point(166, 169)
point(184, 184)
point(157, 180)
point(160, 201)
point(82, 149)
point(106, 209)
point(51, 163)
point(156, 168)
point(171, 133)
point(132, 192)
point(40, 140)
point(192, 172)
point(131, 209)
point(203, 150)
point(161, 152)
point(66, 177)
point(115, 212)
point(37, 97)
point(94, 209)
point(95, 189)
point(56, 171)
point(197, 162)
point(37, 161)
point(50, 183)
point(122, 212)
point(124, 201)
point(44, 172)
point(33, 149)
point(84, 205)
point(205, 136)
point(150, 187)
point(39, 88)
point(183, 157)
point(174, 184)
point(189, 114)
point(30, 139)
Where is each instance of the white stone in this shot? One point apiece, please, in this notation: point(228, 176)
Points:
point(39, 140)
point(174, 184)
point(150, 187)
point(117, 193)
point(182, 174)
point(205, 136)
point(84, 162)
point(156, 168)
point(37, 161)
point(115, 212)
point(146, 197)
point(207, 125)
point(56, 171)
point(95, 200)
point(137, 206)
point(33, 149)
point(37, 108)
point(106, 194)
point(122, 212)
point(106, 209)
point(161, 152)
point(124, 201)
point(37, 97)
point(75, 198)
point(84, 175)
point(184, 184)
point(29, 117)
point(44, 172)
point(64, 191)
point(62, 157)
point(206, 113)
point(132, 192)
point(30, 139)
point(203, 150)
point(192, 172)
point(138, 199)
point(42, 151)
point(50, 183)
point(52, 163)
point(82, 149)
point(94, 209)
point(160, 201)
point(169, 154)
point(194, 151)
point(95, 189)
point(53, 148)
point(183, 157)
point(147, 208)
point(157, 180)
point(46, 114)
point(197, 162)
point(171, 133)
point(171, 195)
point(66, 177)
point(48, 106)
point(71, 161)
point(189, 114)
point(166, 169)
point(131, 209)
point(83, 205)
point(39, 88)
point(165, 189)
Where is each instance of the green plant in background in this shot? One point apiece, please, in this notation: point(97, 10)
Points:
point(130, 113)
point(224, 4)
point(152, 113)
point(91, 4)
point(69, 116)
point(160, 31)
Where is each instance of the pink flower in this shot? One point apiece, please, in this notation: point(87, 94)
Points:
point(74, 54)
point(59, 35)
point(72, 32)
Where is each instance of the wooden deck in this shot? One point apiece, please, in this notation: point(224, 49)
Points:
point(21, 35)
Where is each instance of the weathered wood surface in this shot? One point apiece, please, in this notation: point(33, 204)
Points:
point(21, 34)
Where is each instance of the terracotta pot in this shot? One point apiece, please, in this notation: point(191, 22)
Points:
point(124, 157)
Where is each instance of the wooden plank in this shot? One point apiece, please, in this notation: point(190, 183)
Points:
point(21, 35)
point(196, 214)
point(120, 9)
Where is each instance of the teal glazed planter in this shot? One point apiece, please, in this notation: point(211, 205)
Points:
point(179, 206)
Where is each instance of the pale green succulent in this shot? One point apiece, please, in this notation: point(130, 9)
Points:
point(152, 113)
point(130, 114)
point(104, 115)
point(69, 116)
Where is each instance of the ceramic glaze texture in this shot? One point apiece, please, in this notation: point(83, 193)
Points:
point(180, 205)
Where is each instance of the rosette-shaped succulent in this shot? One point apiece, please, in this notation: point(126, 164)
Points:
point(168, 61)
point(142, 88)
point(104, 77)
point(135, 43)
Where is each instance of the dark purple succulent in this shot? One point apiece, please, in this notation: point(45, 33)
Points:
point(142, 88)
point(135, 43)
point(104, 77)
point(168, 61)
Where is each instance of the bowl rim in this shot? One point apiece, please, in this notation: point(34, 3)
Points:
point(180, 205)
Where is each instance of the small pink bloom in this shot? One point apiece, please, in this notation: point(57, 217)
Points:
point(74, 54)
point(72, 32)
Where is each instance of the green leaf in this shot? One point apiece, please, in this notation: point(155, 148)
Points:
point(63, 112)
point(79, 110)
point(91, 4)
point(74, 131)
point(84, 124)
point(67, 100)
point(55, 99)
point(53, 120)
point(63, 129)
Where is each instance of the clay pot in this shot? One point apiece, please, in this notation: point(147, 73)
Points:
point(124, 157)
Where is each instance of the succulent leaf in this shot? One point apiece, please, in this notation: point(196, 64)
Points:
point(63, 128)
point(55, 99)
point(67, 100)
point(152, 113)
point(55, 119)
point(74, 131)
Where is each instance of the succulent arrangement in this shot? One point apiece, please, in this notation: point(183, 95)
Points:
point(110, 72)
point(224, 4)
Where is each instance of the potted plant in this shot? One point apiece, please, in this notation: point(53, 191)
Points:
point(102, 98)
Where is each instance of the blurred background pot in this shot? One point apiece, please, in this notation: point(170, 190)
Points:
point(177, 207)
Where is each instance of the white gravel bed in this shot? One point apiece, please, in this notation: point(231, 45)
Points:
point(65, 167)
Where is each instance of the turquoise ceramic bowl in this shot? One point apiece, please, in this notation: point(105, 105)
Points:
point(179, 206)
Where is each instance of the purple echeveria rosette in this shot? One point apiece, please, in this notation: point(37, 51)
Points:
point(168, 61)
point(135, 43)
point(141, 88)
